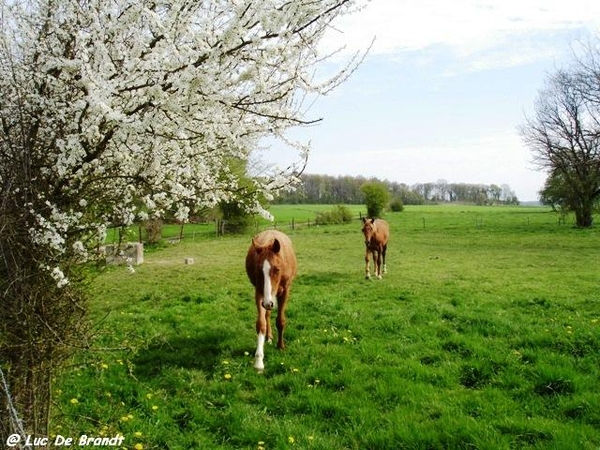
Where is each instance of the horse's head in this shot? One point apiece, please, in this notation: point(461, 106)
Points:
point(368, 229)
point(269, 269)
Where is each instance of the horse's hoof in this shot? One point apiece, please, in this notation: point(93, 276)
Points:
point(379, 277)
point(259, 366)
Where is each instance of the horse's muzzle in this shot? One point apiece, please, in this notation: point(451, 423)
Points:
point(268, 305)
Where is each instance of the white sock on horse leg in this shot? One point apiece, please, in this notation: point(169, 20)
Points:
point(260, 352)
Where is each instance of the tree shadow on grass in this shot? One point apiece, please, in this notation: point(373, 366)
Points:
point(200, 352)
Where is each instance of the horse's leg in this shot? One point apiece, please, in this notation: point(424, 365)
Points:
point(261, 330)
point(384, 252)
point(377, 263)
point(268, 320)
point(367, 271)
point(282, 303)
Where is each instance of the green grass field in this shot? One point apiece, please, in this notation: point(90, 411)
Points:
point(484, 334)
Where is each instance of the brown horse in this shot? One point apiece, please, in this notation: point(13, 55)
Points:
point(271, 266)
point(377, 233)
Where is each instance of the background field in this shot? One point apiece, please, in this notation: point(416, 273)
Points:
point(484, 334)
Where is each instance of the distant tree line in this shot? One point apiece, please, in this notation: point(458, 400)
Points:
point(327, 189)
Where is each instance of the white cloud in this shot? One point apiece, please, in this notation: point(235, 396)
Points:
point(469, 28)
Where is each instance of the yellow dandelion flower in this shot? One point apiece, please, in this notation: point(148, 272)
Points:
point(227, 376)
point(138, 434)
point(225, 362)
point(74, 401)
point(130, 416)
point(295, 370)
point(246, 354)
point(138, 446)
point(124, 419)
point(154, 407)
point(104, 366)
point(148, 396)
point(310, 438)
point(291, 439)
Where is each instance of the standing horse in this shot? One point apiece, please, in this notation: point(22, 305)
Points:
point(271, 266)
point(377, 233)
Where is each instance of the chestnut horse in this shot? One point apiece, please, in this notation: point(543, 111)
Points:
point(271, 266)
point(377, 233)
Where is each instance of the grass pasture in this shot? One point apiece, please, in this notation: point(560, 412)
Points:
point(484, 334)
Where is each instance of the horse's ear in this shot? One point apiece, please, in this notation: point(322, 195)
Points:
point(276, 246)
point(373, 220)
point(364, 219)
point(256, 246)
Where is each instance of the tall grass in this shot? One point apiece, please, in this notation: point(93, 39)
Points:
point(484, 334)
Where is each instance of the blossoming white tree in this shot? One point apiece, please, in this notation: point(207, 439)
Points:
point(114, 110)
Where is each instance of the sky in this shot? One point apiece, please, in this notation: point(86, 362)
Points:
point(443, 89)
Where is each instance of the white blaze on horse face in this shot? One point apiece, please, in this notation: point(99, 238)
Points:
point(260, 353)
point(269, 300)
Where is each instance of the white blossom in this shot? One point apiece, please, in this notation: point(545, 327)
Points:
point(140, 107)
point(59, 277)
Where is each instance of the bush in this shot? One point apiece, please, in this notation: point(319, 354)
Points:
point(376, 198)
point(153, 231)
point(397, 205)
point(237, 219)
point(340, 214)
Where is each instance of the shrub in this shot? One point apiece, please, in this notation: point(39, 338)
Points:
point(237, 219)
point(340, 214)
point(397, 205)
point(376, 198)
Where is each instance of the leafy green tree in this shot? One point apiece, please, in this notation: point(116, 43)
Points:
point(377, 197)
point(557, 194)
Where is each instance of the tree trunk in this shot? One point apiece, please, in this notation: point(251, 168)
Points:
point(583, 216)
